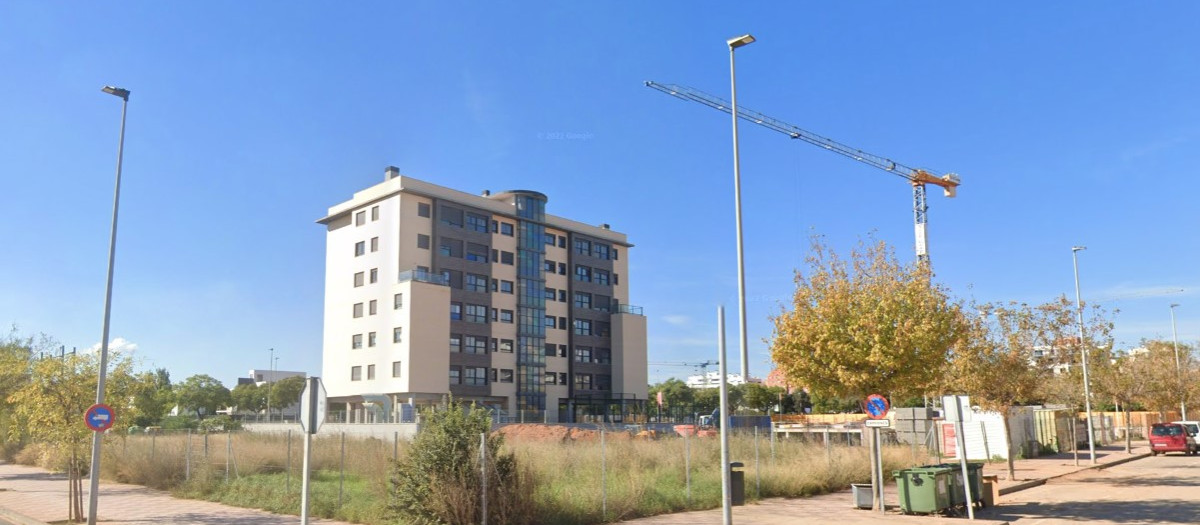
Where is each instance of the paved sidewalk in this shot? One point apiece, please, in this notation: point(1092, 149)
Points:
point(32, 496)
point(839, 508)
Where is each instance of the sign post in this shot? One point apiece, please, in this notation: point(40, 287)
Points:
point(953, 408)
point(877, 409)
point(312, 414)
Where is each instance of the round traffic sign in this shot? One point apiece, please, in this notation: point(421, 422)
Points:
point(99, 417)
point(876, 406)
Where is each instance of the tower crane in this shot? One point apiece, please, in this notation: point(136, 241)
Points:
point(916, 176)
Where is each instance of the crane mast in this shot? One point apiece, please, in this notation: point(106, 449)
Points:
point(916, 176)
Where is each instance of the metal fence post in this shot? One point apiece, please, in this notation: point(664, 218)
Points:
point(396, 446)
point(288, 476)
point(153, 442)
point(687, 465)
point(342, 469)
point(228, 453)
point(483, 477)
point(187, 457)
point(603, 479)
point(757, 468)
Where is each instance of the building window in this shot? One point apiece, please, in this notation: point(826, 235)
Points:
point(548, 265)
point(562, 352)
point(583, 327)
point(562, 296)
point(506, 346)
point(602, 302)
point(603, 382)
point(455, 343)
point(549, 238)
point(477, 223)
point(506, 316)
point(422, 209)
point(506, 258)
point(506, 286)
point(601, 276)
point(374, 244)
point(562, 268)
point(583, 354)
point(602, 329)
point(356, 341)
point(396, 369)
point(616, 278)
point(455, 375)
point(583, 381)
point(374, 213)
point(583, 247)
point(583, 300)
point(477, 252)
point(562, 323)
point(551, 321)
point(616, 256)
point(360, 248)
point(551, 293)
point(374, 275)
point(551, 350)
point(476, 283)
point(551, 378)
point(397, 301)
point(476, 376)
point(371, 339)
point(370, 372)
point(358, 279)
point(360, 218)
point(422, 241)
point(451, 216)
point(358, 310)
point(506, 229)
point(562, 241)
point(506, 375)
point(397, 334)
point(602, 356)
point(371, 307)
point(600, 250)
point(356, 373)
point(562, 378)
point(475, 344)
point(476, 313)
point(583, 273)
point(455, 311)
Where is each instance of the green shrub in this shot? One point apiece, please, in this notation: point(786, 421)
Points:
point(439, 480)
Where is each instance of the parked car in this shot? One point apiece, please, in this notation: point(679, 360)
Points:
point(1171, 437)
point(1193, 428)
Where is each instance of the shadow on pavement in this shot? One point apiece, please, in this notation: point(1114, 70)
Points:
point(1142, 482)
point(1145, 511)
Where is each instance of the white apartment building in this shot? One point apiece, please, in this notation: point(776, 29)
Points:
point(713, 380)
point(431, 291)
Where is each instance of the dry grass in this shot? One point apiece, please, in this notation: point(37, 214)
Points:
point(643, 477)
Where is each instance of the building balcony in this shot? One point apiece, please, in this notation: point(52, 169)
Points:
point(628, 309)
point(424, 277)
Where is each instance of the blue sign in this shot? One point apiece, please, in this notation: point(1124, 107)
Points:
point(99, 417)
point(877, 406)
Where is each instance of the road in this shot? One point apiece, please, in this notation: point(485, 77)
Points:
point(1164, 489)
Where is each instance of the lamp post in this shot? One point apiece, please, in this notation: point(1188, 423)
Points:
point(98, 437)
point(735, 43)
point(1087, 388)
point(1178, 369)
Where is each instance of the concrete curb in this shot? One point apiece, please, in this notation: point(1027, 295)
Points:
point(17, 518)
point(1039, 482)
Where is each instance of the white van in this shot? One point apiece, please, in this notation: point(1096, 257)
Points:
point(1193, 428)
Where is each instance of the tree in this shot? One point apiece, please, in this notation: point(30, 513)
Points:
point(1170, 383)
point(286, 392)
point(763, 398)
point(1008, 352)
point(152, 397)
point(866, 326)
point(203, 394)
point(49, 409)
point(1126, 381)
point(249, 397)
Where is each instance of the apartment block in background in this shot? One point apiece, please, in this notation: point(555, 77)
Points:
point(431, 291)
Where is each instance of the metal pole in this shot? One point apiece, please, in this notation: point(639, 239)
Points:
point(228, 453)
point(737, 198)
point(98, 437)
point(288, 477)
point(187, 461)
point(1178, 369)
point(270, 367)
point(723, 421)
point(687, 467)
point(1087, 388)
point(342, 471)
point(879, 471)
point(603, 479)
point(304, 488)
point(961, 445)
point(483, 476)
point(757, 468)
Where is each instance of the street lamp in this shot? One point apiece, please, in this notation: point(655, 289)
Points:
point(1178, 369)
point(735, 43)
point(1087, 388)
point(98, 437)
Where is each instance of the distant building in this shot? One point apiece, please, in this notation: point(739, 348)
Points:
point(430, 291)
point(264, 377)
point(713, 380)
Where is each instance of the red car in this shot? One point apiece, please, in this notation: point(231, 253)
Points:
point(1171, 437)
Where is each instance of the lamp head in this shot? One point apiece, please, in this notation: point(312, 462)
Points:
point(740, 41)
point(116, 91)
point(1173, 305)
point(1078, 248)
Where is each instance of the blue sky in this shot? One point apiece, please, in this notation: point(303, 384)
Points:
point(1074, 123)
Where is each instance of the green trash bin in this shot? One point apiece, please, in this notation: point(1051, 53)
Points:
point(975, 477)
point(924, 490)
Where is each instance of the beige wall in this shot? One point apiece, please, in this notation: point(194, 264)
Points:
point(629, 355)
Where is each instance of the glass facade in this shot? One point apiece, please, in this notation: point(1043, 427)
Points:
point(531, 302)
